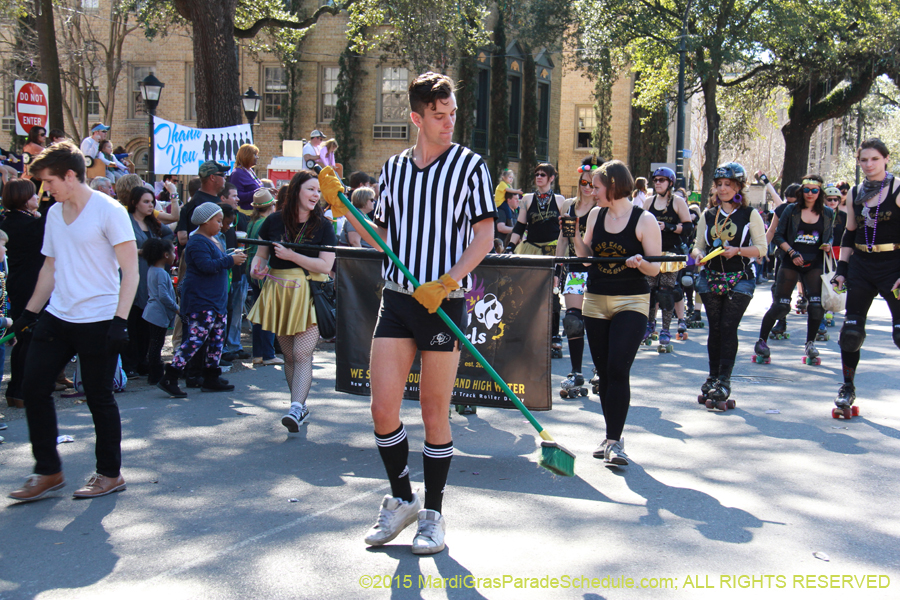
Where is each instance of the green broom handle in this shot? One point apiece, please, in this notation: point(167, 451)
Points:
point(7, 338)
point(364, 221)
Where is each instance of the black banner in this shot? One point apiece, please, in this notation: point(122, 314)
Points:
point(508, 322)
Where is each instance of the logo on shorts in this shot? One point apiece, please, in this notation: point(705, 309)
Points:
point(440, 339)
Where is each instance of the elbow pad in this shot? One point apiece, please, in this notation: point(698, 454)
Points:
point(687, 229)
point(519, 228)
point(847, 240)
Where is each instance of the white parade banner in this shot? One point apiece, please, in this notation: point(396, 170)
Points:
point(180, 150)
point(32, 107)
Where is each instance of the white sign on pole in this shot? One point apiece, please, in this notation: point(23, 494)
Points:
point(180, 150)
point(32, 107)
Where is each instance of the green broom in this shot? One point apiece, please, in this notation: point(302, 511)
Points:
point(554, 457)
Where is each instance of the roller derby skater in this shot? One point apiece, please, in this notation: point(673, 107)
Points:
point(706, 388)
point(617, 299)
point(870, 261)
point(674, 222)
point(763, 354)
point(804, 234)
point(576, 211)
point(682, 330)
point(779, 331)
point(822, 333)
point(650, 333)
point(736, 231)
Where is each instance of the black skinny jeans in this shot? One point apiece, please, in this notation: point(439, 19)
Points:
point(53, 344)
point(782, 291)
point(17, 357)
point(135, 356)
point(614, 344)
point(724, 314)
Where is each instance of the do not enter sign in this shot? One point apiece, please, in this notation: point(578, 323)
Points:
point(31, 106)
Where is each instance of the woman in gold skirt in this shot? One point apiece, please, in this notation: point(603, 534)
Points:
point(285, 304)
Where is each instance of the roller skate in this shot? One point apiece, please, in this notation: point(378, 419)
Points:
point(763, 354)
point(572, 386)
point(595, 382)
point(648, 335)
point(682, 330)
point(801, 305)
point(556, 347)
point(665, 342)
point(466, 409)
point(829, 319)
point(706, 388)
point(719, 395)
point(822, 333)
point(812, 355)
point(653, 335)
point(779, 332)
point(844, 403)
point(695, 320)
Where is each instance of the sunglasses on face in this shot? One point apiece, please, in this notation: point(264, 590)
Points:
point(807, 190)
point(587, 184)
point(832, 199)
point(660, 180)
point(541, 174)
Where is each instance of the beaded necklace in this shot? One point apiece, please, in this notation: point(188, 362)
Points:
point(867, 219)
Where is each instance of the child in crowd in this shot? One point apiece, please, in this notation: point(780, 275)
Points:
point(161, 307)
point(115, 169)
point(204, 295)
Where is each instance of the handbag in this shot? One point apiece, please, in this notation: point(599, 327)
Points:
point(721, 282)
point(324, 303)
point(832, 300)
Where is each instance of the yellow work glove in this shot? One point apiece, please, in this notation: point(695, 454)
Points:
point(329, 186)
point(431, 294)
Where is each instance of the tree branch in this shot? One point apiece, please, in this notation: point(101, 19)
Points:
point(745, 77)
point(251, 31)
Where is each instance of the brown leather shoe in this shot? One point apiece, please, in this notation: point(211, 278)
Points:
point(64, 381)
point(100, 485)
point(15, 402)
point(38, 486)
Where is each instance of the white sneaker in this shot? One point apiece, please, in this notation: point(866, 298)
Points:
point(615, 453)
point(297, 416)
point(430, 534)
point(395, 516)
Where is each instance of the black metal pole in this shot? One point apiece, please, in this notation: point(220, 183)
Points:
point(151, 163)
point(679, 120)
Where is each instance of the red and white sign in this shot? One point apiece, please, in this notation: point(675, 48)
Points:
point(31, 106)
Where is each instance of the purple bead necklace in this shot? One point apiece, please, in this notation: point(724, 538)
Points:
point(869, 244)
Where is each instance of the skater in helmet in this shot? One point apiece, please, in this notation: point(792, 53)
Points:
point(779, 331)
point(674, 218)
point(736, 233)
point(575, 277)
point(870, 260)
point(617, 299)
point(804, 234)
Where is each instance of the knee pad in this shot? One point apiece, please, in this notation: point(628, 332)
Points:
point(687, 281)
point(678, 294)
point(666, 298)
point(573, 325)
point(896, 334)
point(853, 333)
point(815, 310)
point(782, 308)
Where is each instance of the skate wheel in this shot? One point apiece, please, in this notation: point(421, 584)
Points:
point(721, 405)
point(854, 410)
point(584, 391)
point(459, 408)
point(596, 389)
point(848, 413)
point(701, 399)
point(472, 410)
point(827, 337)
point(730, 404)
point(836, 413)
point(563, 394)
point(710, 404)
point(768, 360)
point(817, 361)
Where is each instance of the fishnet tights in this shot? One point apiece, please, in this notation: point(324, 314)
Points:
point(298, 359)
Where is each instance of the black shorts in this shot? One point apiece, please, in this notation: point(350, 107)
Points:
point(401, 316)
point(873, 274)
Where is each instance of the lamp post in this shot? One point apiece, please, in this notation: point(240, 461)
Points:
point(151, 89)
point(679, 121)
point(251, 101)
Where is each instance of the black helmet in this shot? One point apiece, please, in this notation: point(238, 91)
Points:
point(731, 170)
point(665, 172)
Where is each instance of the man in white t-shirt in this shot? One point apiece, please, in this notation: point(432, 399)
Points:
point(88, 238)
point(90, 146)
point(311, 149)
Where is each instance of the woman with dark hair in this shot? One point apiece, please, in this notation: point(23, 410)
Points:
point(37, 137)
point(735, 232)
point(617, 296)
point(25, 228)
point(805, 230)
point(263, 341)
point(244, 178)
point(285, 304)
point(870, 260)
point(140, 206)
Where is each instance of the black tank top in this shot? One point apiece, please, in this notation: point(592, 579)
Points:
point(543, 218)
point(808, 238)
point(615, 279)
point(888, 229)
point(734, 229)
point(671, 241)
point(582, 227)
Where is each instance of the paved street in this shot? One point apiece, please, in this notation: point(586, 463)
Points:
point(223, 503)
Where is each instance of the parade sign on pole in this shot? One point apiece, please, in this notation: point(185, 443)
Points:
point(180, 150)
point(31, 106)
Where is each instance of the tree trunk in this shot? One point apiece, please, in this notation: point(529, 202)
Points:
point(498, 143)
point(466, 87)
point(49, 55)
point(216, 72)
point(713, 120)
point(530, 121)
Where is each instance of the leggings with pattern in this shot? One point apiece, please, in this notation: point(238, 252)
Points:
point(205, 326)
point(298, 360)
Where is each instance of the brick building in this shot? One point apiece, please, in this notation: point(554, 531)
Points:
point(382, 123)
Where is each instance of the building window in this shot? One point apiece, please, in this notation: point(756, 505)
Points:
point(543, 133)
point(393, 106)
point(584, 126)
point(92, 99)
point(515, 115)
point(275, 92)
point(90, 5)
point(328, 99)
point(190, 108)
point(482, 111)
point(136, 108)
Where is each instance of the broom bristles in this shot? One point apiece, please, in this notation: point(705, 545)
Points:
point(557, 459)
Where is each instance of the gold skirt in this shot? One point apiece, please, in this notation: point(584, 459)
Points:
point(598, 306)
point(544, 249)
point(670, 267)
point(285, 305)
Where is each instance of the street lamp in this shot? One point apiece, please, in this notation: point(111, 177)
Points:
point(151, 89)
point(251, 101)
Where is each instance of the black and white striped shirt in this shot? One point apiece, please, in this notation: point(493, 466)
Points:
point(428, 213)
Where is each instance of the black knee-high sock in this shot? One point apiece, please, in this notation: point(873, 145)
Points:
point(850, 361)
point(394, 451)
point(436, 460)
point(576, 352)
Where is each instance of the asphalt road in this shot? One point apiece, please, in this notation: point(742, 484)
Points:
point(223, 503)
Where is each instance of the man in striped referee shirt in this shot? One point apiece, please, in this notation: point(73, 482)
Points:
point(436, 212)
